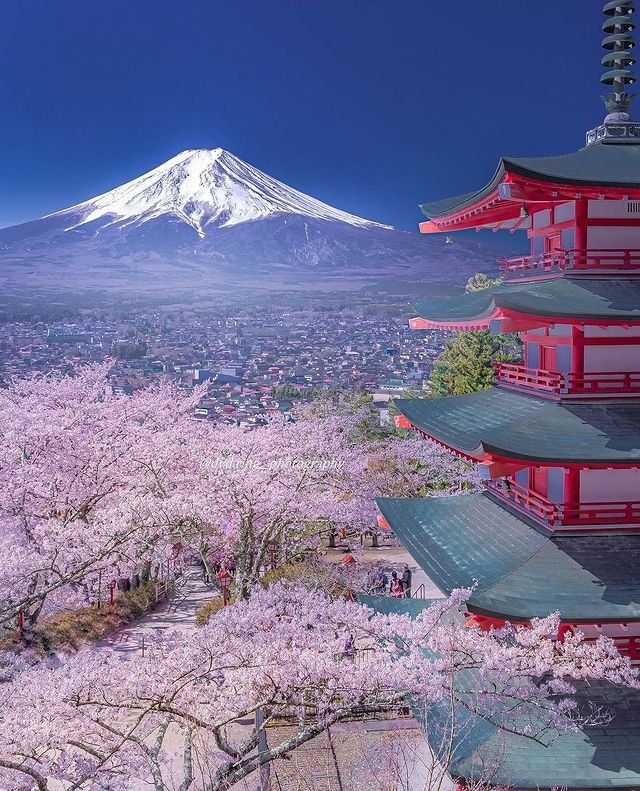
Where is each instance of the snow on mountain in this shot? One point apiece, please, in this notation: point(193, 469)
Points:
point(204, 188)
point(206, 220)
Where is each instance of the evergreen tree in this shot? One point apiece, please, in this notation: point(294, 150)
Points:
point(465, 364)
point(480, 282)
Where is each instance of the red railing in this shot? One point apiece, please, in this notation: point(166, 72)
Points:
point(536, 378)
point(581, 261)
point(602, 382)
point(596, 383)
point(532, 502)
point(599, 513)
point(627, 646)
point(553, 514)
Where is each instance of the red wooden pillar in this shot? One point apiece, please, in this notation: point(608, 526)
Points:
point(563, 630)
point(577, 350)
point(571, 492)
point(581, 235)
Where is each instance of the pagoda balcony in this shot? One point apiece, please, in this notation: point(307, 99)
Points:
point(584, 262)
point(598, 384)
point(563, 516)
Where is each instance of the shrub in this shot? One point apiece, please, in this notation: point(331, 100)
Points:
point(209, 609)
point(71, 629)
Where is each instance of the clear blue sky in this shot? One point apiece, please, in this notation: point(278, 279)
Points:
point(371, 105)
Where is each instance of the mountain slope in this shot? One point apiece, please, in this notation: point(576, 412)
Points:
point(203, 188)
point(206, 219)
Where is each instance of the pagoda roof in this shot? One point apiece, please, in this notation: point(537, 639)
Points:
point(390, 605)
point(519, 572)
point(605, 755)
point(509, 425)
point(572, 298)
point(607, 164)
point(591, 757)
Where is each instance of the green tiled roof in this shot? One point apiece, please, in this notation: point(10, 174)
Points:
point(605, 164)
point(530, 428)
point(598, 756)
point(521, 573)
point(389, 605)
point(562, 297)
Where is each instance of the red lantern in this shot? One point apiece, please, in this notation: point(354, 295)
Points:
point(224, 580)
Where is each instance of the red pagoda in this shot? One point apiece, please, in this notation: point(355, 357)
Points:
point(558, 438)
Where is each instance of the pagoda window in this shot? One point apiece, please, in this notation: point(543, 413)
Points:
point(611, 359)
point(533, 355)
point(610, 486)
point(522, 477)
point(561, 331)
point(555, 484)
point(563, 360)
point(542, 219)
point(610, 209)
point(611, 332)
point(537, 245)
point(565, 212)
point(568, 239)
point(611, 237)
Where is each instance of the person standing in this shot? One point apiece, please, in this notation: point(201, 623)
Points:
point(379, 582)
point(347, 558)
point(395, 589)
point(406, 581)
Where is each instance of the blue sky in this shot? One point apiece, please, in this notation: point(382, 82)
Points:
point(371, 105)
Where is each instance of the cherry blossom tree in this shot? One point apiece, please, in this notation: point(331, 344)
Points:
point(94, 486)
point(84, 477)
point(173, 717)
point(283, 483)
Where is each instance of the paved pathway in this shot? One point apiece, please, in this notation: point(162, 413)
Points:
point(177, 613)
point(392, 557)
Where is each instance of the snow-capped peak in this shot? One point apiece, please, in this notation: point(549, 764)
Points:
point(204, 187)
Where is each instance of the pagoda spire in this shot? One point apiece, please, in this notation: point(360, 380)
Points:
point(619, 43)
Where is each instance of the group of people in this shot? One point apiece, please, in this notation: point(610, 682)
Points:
point(398, 586)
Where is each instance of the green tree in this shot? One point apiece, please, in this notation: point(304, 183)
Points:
point(480, 282)
point(465, 364)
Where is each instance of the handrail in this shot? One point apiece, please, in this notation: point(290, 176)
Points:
point(586, 383)
point(420, 592)
point(515, 373)
point(575, 260)
point(595, 513)
point(526, 498)
point(627, 646)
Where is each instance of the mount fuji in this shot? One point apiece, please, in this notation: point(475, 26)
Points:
point(206, 219)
